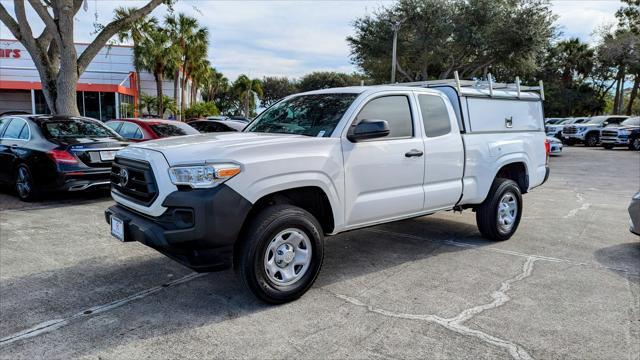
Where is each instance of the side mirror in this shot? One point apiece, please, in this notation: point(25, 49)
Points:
point(368, 129)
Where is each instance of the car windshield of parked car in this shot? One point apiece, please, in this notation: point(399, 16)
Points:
point(597, 120)
point(76, 128)
point(177, 129)
point(311, 115)
point(634, 121)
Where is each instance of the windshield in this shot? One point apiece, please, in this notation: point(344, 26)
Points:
point(76, 128)
point(177, 129)
point(635, 121)
point(311, 115)
point(596, 120)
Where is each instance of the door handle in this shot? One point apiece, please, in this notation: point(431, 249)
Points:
point(414, 153)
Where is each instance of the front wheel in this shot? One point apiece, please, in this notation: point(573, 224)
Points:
point(281, 253)
point(591, 140)
point(635, 144)
point(499, 215)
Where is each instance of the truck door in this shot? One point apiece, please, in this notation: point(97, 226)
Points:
point(444, 153)
point(384, 176)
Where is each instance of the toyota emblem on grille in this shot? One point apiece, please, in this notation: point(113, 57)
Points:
point(124, 177)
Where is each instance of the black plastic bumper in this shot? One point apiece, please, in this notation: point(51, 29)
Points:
point(546, 174)
point(198, 229)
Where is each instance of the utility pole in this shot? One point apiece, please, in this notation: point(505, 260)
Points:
point(395, 26)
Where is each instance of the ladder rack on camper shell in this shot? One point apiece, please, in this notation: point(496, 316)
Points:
point(479, 85)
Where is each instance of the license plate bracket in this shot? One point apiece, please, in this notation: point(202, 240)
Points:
point(107, 155)
point(117, 228)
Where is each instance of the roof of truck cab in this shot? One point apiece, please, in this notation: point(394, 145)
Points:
point(464, 91)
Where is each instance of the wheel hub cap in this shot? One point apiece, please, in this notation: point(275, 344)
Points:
point(287, 257)
point(507, 212)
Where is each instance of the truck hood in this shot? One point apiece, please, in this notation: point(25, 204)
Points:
point(232, 146)
point(624, 127)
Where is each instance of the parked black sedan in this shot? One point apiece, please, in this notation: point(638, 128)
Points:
point(40, 153)
point(208, 126)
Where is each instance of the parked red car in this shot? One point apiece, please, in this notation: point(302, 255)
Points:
point(148, 129)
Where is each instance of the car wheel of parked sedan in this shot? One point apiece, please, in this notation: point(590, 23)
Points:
point(24, 184)
point(499, 215)
point(635, 144)
point(591, 140)
point(281, 253)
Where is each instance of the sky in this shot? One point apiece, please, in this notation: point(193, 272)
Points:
point(292, 38)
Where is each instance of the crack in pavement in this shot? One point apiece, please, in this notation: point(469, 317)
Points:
point(456, 324)
point(51, 325)
point(584, 206)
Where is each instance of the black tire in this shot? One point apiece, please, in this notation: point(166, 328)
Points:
point(607, 146)
point(591, 140)
point(24, 184)
point(635, 144)
point(569, 142)
point(487, 213)
point(258, 238)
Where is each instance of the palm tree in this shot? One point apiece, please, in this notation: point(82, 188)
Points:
point(155, 51)
point(192, 40)
point(148, 102)
point(214, 83)
point(247, 90)
point(136, 32)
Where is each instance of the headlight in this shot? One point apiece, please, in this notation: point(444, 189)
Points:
point(636, 196)
point(203, 176)
point(624, 132)
point(582, 129)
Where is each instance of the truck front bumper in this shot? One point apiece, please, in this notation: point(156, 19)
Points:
point(577, 137)
point(619, 140)
point(198, 229)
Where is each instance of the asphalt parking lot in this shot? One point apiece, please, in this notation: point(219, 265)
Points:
point(567, 285)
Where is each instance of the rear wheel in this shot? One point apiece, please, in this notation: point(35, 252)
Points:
point(635, 144)
point(499, 215)
point(281, 253)
point(591, 140)
point(24, 184)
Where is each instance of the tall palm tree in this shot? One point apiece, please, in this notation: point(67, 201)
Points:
point(155, 51)
point(214, 83)
point(247, 90)
point(192, 40)
point(135, 32)
point(199, 72)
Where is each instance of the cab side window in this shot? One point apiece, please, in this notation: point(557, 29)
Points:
point(395, 110)
point(435, 115)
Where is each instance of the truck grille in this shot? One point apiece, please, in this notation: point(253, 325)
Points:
point(134, 180)
point(569, 130)
point(609, 133)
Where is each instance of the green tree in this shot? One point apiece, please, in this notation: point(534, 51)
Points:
point(247, 91)
point(213, 84)
point(438, 37)
point(148, 102)
point(276, 88)
point(135, 32)
point(53, 50)
point(328, 79)
point(192, 42)
point(201, 110)
point(155, 51)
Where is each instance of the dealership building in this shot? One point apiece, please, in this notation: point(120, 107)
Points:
point(106, 90)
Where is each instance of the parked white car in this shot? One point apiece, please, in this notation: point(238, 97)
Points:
point(555, 145)
point(324, 162)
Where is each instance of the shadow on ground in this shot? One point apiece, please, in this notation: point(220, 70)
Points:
point(622, 256)
point(10, 201)
point(215, 297)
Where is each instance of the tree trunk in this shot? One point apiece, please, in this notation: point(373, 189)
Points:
point(159, 94)
point(246, 104)
point(176, 85)
point(616, 96)
point(633, 95)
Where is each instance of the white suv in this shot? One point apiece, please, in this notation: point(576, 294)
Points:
point(324, 162)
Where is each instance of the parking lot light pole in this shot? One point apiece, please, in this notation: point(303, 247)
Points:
point(395, 27)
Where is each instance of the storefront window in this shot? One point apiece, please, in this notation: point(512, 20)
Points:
point(41, 103)
point(91, 105)
point(126, 106)
point(107, 106)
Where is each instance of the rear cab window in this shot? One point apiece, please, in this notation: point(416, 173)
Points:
point(435, 115)
point(395, 110)
point(177, 129)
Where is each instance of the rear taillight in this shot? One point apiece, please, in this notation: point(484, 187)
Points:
point(547, 149)
point(62, 156)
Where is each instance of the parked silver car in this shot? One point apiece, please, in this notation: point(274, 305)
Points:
point(634, 214)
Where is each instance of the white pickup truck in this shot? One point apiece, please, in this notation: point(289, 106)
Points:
point(324, 162)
